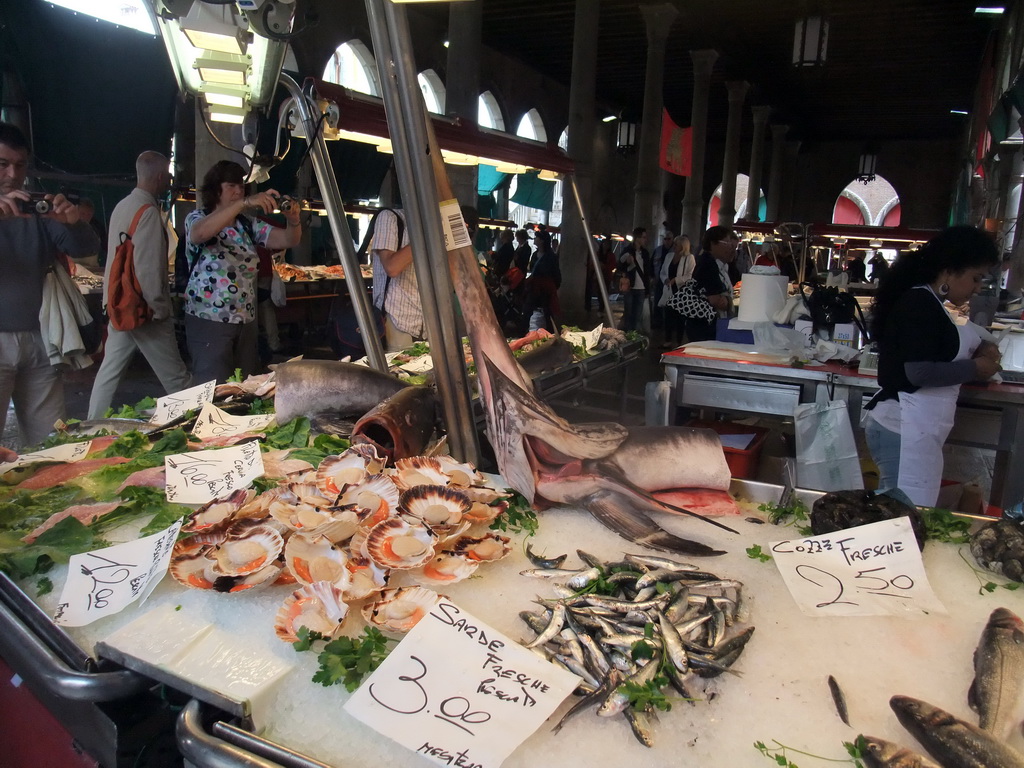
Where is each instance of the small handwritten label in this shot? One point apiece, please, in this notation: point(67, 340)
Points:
point(214, 423)
point(108, 580)
point(67, 453)
point(171, 407)
point(586, 339)
point(196, 478)
point(871, 570)
point(459, 692)
point(418, 365)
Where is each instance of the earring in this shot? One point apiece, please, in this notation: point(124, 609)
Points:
point(943, 289)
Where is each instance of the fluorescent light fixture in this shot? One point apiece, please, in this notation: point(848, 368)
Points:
point(224, 95)
point(993, 10)
point(227, 115)
point(958, 111)
point(459, 158)
point(875, 244)
point(548, 175)
point(223, 68)
point(214, 28)
point(609, 119)
point(446, 43)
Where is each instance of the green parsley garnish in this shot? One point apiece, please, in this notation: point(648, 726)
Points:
point(942, 525)
point(988, 586)
point(755, 553)
point(647, 695)
point(778, 753)
point(345, 660)
point(518, 518)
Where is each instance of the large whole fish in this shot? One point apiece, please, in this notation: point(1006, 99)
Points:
point(310, 387)
point(614, 472)
point(400, 426)
point(951, 741)
point(879, 753)
point(998, 672)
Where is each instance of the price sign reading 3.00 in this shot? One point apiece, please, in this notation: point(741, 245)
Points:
point(459, 692)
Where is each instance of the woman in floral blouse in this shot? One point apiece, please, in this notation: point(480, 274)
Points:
point(220, 301)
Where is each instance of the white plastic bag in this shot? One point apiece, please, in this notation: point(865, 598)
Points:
point(278, 293)
point(826, 452)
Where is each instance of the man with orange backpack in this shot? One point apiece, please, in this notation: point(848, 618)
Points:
point(135, 289)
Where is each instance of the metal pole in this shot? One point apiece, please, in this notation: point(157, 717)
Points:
point(602, 289)
point(407, 115)
point(336, 216)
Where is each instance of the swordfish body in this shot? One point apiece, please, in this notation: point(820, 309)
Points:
point(550, 461)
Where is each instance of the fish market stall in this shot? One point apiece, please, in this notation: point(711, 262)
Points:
point(779, 692)
point(988, 415)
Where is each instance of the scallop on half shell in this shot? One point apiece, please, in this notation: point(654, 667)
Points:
point(318, 607)
point(400, 544)
point(441, 508)
point(399, 609)
point(374, 499)
point(352, 466)
point(486, 548)
point(248, 547)
point(447, 568)
point(316, 558)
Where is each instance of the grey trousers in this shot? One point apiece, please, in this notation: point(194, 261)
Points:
point(156, 341)
point(218, 348)
point(27, 378)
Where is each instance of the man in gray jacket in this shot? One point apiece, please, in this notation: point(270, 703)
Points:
point(154, 338)
point(29, 244)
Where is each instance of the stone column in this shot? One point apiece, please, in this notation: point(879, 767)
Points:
point(775, 174)
point(647, 202)
point(693, 200)
point(462, 86)
point(731, 163)
point(789, 179)
point(756, 163)
point(573, 254)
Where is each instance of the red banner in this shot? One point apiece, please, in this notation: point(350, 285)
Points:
point(676, 146)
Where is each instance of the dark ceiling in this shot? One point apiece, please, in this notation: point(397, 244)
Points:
point(894, 68)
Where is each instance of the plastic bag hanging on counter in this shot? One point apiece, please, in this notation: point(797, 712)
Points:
point(769, 338)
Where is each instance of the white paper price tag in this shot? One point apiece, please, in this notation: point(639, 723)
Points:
point(108, 580)
point(420, 364)
point(196, 478)
point(871, 570)
point(63, 454)
point(170, 407)
point(586, 339)
point(459, 692)
point(213, 423)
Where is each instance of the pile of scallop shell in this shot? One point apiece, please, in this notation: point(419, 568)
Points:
point(341, 531)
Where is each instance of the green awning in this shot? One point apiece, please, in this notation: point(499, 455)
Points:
point(534, 192)
point(489, 179)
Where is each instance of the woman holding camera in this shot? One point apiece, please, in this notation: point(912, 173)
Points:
point(220, 301)
point(924, 357)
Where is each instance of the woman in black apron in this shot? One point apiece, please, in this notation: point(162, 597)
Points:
point(924, 357)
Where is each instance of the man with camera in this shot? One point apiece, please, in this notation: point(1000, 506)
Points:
point(32, 233)
point(155, 337)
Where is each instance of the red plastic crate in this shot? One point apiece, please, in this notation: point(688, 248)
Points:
point(742, 462)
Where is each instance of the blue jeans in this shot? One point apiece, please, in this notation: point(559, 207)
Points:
point(885, 450)
point(633, 309)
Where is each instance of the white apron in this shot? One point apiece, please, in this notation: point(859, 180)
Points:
point(926, 417)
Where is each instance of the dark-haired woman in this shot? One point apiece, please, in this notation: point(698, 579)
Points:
point(220, 301)
point(924, 357)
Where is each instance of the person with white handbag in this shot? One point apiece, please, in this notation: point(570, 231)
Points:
point(675, 270)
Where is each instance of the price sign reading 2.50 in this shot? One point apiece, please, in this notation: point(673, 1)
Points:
point(454, 710)
point(870, 570)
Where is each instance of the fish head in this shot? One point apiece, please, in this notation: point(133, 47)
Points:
point(917, 716)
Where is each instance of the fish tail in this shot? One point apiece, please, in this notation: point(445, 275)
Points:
point(612, 511)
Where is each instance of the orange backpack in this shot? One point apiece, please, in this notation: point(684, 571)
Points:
point(126, 307)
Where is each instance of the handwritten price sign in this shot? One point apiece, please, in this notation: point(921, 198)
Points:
point(69, 452)
point(108, 580)
point(213, 423)
point(872, 570)
point(196, 478)
point(459, 692)
point(171, 407)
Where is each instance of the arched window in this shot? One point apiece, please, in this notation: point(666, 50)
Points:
point(532, 127)
point(742, 185)
point(489, 113)
point(433, 90)
point(875, 204)
point(352, 65)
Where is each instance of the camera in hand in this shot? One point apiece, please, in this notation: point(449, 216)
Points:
point(286, 203)
point(38, 204)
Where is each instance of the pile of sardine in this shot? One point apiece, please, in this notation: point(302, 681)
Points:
point(642, 622)
point(995, 695)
